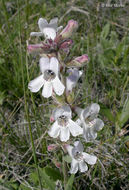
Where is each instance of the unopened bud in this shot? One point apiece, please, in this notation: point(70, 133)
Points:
point(82, 59)
point(79, 61)
point(58, 165)
point(66, 44)
point(67, 32)
point(52, 119)
point(51, 147)
point(38, 48)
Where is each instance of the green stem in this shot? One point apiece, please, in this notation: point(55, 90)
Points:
point(26, 107)
point(64, 172)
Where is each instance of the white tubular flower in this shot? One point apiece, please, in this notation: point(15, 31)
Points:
point(88, 118)
point(80, 158)
point(73, 77)
point(63, 124)
point(49, 78)
point(47, 29)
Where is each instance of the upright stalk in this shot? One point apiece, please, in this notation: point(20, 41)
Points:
point(26, 107)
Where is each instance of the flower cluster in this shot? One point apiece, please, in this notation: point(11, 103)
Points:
point(59, 78)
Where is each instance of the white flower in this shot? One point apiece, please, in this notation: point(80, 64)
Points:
point(88, 118)
point(49, 78)
point(80, 158)
point(63, 124)
point(47, 29)
point(71, 80)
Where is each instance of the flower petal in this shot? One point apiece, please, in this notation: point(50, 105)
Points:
point(36, 34)
point(94, 108)
point(69, 85)
point(74, 128)
point(47, 89)
point(72, 79)
point(58, 86)
point(78, 145)
point(53, 23)
point(74, 166)
point(98, 124)
point(69, 149)
point(83, 166)
point(59, 28)
point(67, 111)
point(89, 158)
point(44, 64)
point(79, 122)
point(85, 113)
point(79, 112)
point(49, 33)
point(63, 110)
point(54, 130)
point(42, 24)
point(36, 84)
point(64, 134)
point(89, 134)
point(54, 65)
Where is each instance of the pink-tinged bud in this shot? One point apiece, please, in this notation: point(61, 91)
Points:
point(51, 147)
point(82, 59)
point(79, 61)
point(58, 165)
point(52, 119)
point(38, 48)
point(33, 48)
point(70, 28)
point(66, 44)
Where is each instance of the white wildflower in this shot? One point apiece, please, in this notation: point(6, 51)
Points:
point(88, 118)
point(80, 158)
point(63, 124)
point(49, 30)
point(49, 79)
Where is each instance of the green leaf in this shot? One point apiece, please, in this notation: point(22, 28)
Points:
point(67, 158)
point(34, 178)
point(105, 31)
point(47, 180)
point(107, 113)
point(70, 183)
point(114, 38)
point(124, 115)
point(54, 174)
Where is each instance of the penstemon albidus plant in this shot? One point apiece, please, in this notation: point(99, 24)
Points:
point(58, 79)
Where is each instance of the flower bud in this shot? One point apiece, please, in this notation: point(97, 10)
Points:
point(68, 30)
point(57, 164)
point(38, 48)
point(79, 61)
point(82, 59)
point(52, 119)
point(34, 48)
point(66, 44)
point(51, 147)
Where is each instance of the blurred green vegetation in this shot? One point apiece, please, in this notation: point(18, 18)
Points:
point(104, 35)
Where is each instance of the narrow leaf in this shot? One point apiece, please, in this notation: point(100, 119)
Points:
point(105, 31)
point(124, 115)
point(70, 183)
